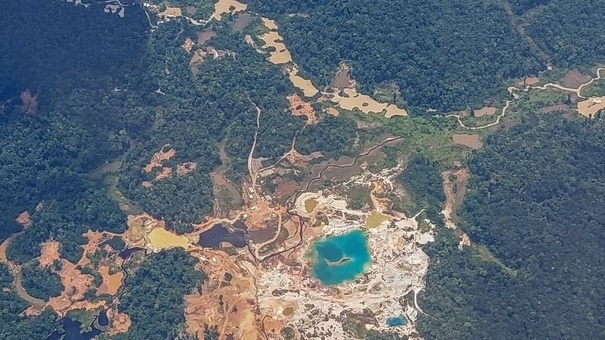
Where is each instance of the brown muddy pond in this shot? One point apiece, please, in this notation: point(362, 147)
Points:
point(375, 219)
point(342, 79)
point(213, 237)
point(241, 21)
point(310, 205)
point(472, 141)
point(261, 236)
point(205, 35)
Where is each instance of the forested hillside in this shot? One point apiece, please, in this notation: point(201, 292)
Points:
point(443, 55)
point(535, 208)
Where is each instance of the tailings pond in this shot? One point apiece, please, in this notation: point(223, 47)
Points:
point(340, 258)
point(213, 237)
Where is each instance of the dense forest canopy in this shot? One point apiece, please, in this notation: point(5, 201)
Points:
point(535, 204)
point(443, 55)
point(104, 90)
point(156, 293)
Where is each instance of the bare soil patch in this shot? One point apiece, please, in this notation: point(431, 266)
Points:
point(485, 111)
point(472, 141)
point(24, 219)
point(305, 85)
point(170, 12)
point(286, 189)
point(111, 282)
point(185, 168)
point(589, 107)
point(120, 322)
point(165, 153)
point(227, 6)
point(298, 107)
point(188, 45)
point(351, 100)
point(574, 78)
point(50, 253)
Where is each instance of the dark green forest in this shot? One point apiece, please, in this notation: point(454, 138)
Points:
point(154, 295)
point(535, 209)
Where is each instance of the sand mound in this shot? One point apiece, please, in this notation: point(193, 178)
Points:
point(50, 253)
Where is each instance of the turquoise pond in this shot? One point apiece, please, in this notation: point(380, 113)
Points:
point(340, 258)
point(397, 321)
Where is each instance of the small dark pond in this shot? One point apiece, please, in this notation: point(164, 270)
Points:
point(71, 331)
point(125, 254)
point(213, 237)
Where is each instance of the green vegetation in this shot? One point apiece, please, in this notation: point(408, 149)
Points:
point(569, 31)
point(41, 283)
point(421, 178)
point(153, 296)
point(535, 200)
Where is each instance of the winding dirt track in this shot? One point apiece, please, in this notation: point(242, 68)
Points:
point(290, 202)
point(512, 91)
point(16, 272)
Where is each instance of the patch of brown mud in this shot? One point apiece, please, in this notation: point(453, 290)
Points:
point(286, 189)
point(120, 322)
point(485, 111)
point(50, 253)
point(574, 78)
point(305, 85)
point(95, 238)
point(227, 304)
point(296, 158)
point(111, 282)
point(76, 284)
point(24, 219)
point(205, 35)
point(342, 80)
point(529, 81)
point(165, 153)
point(241, 21)
point(29, 103)
point(589, 107)
point(263, 235)
point(187, 45)
point(165, 173)
point(554, 108)
point(227, 7)
point(454, 187)
point(191, 10)
point(147, 184)
point(170, 12)
point(299, 107)
point(185, 168)
point(472, 141)
point(33, 310)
